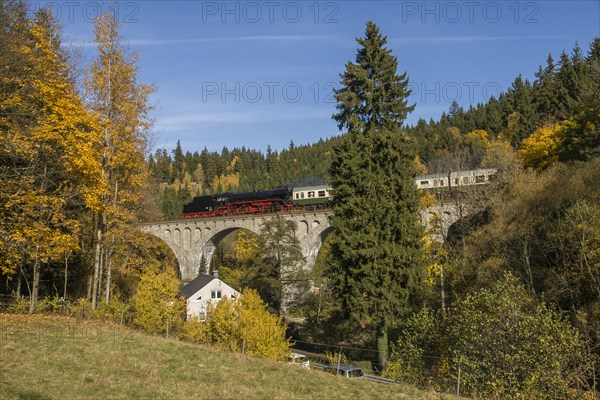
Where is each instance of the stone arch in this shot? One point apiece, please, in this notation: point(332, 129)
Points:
point(303, 227)
point(315, 246)
point(210, 245)
point(167, 245)
point(177, 236)
point(461, 227)
point(187, 238)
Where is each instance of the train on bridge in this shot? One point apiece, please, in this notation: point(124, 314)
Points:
point(286, 199)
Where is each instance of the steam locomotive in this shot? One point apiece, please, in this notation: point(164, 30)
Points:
point(285, 199)
point(262, 202)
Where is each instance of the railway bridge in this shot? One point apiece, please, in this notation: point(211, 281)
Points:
point(195, 239)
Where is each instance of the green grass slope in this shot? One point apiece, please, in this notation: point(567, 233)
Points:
point(45, 357)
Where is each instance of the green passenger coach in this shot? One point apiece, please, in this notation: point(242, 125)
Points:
point(311, 195)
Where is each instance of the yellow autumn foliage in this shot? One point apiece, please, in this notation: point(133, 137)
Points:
point(50, 139)
point(242, 324)
point(246, 246)
point(157, 303)
point(540, 150)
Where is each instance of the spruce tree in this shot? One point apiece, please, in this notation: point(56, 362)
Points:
point(376, 240)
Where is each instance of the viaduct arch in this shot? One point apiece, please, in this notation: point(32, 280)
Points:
point(194, 239)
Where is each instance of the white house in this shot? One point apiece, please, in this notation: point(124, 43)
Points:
point(205, 290)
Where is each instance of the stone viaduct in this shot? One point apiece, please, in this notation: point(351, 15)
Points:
point(194, 239)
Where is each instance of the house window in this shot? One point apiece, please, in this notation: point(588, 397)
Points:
point(201, 315)
point(321, 193)
point(215, 294)
point(311, 195)
point(199, 298)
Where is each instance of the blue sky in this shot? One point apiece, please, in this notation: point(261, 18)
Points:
point(253, 73)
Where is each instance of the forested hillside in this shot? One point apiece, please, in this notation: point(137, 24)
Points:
point(560, 105)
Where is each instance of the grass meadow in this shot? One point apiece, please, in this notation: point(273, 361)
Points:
point(49, 357)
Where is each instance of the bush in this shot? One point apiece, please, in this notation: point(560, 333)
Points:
point(195, 330)
point(333, 357)
point(50, 305)
point(506, 346)
point(242, 324)
point(157, 304)
point(20, 306)
point(81, 309)
point(415, 357)
point(115, 310)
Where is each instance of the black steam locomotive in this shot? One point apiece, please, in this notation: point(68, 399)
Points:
point(261, 202)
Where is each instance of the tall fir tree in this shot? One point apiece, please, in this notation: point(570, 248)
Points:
point(376, 239)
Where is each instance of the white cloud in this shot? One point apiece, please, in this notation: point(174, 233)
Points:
point(266, 114)
point(465, 39)
point(254, 38)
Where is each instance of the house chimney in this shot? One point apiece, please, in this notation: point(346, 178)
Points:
point(216, 273)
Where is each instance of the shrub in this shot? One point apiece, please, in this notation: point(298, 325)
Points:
point(50, 305)
point(20, 306)
point(82, 309)
point(242, 324)
point(333, 357)
point(157, 304)
point(508, 346)
point(195, 330)
point(115, 310)
point(415, 357)
point(262, 333)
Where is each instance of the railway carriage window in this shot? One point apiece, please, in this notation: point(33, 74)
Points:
point(302, 195)
point(424, 183)
point(311, 195)
point(436, 183)
point(480, 179)
point(456, 181)
point(465, 180)
point(321, 193)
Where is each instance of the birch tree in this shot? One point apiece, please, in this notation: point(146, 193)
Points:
point(122, 106)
